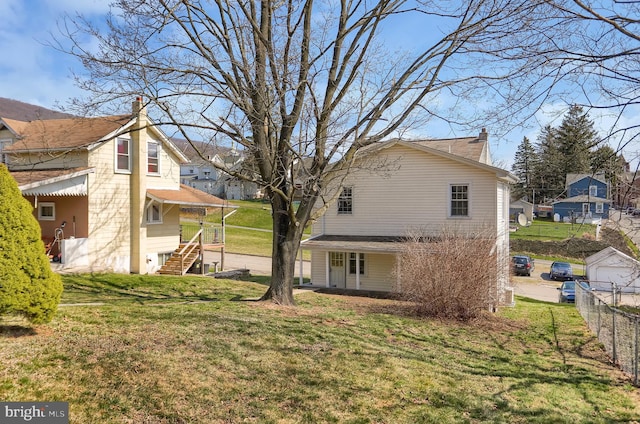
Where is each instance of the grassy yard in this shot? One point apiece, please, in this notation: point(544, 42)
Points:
point(255, 236)
point(541, 229)
point(194, 350)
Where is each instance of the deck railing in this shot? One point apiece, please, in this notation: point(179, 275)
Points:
point(211, 234)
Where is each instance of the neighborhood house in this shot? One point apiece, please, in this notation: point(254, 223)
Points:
point(587, 199)
point(428, 185)
point(106, 191)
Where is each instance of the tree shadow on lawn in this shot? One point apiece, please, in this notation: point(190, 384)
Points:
point(102, 289)
point(15, 331)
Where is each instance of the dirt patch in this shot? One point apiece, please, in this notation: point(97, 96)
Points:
point(576, 248)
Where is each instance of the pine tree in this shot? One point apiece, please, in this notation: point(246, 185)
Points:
point(549, 176)
point(28, 286)
point(523, 167)
point(576, 138)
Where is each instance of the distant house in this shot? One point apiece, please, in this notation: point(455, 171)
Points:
point(610, 267)
point(518, 207)
point(203, 171)
point(587, 198)
point(112, 184)
point(438, 184)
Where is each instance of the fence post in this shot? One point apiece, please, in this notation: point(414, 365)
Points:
point(613, 335)
point(636, 355)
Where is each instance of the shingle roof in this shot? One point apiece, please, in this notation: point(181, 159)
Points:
point(186, 196)
point(26, 178)
point(62, 134)
point(466, 147)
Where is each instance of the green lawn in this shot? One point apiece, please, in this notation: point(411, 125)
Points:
point(193, 350)
point(255, 236)
point(541, 229)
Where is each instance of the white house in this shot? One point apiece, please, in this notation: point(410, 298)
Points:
point(427, 184)
point(113, 180)
point(610, 266)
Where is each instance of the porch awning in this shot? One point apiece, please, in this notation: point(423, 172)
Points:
point(373, 244)
point(187, 196)
point(53, 182)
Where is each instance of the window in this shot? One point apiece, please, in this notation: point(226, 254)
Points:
point(123, 154)
point(154, 213)
point(593, 191)
point(353, 257)
point(152, 158)
point(345, 201)
point(459, 200)
point(337, 259)
point(599, 207)
point(46, 211)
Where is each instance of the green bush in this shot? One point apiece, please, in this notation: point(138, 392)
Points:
point(28, 286)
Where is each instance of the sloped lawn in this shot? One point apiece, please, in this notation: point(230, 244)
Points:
point(194, 350)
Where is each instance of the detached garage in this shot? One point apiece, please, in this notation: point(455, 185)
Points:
point(612, 266)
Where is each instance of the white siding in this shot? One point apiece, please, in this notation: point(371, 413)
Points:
point(378, 275)
point(109, 212)
point(416, 195)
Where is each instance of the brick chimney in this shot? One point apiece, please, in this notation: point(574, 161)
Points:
point(484, 136)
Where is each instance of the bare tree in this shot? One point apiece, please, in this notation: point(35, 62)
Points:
point(302, 86)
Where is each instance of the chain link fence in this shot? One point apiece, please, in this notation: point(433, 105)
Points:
point(617, 330)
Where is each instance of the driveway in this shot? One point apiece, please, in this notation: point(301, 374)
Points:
point(257, 265)
point(538, 286)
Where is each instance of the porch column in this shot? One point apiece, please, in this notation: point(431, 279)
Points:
point(357, 270)
point(327, 270)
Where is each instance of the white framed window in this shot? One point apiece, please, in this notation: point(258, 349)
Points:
point(154, 213)
point(123, 155)
point(353, 259)
point(345, 201)
point(153, 157)
point(47, 211)
point(593, 191)
point(459, 200)
point(599, 207)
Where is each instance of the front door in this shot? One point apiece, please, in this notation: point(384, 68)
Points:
point(337, 270)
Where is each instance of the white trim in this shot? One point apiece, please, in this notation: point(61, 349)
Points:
point(449, 200)
point(118, 170)
point(158, 155)
point(149, 213)
point(42, 217)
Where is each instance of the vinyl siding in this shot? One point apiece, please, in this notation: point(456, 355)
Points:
point(109, 212)
point(415, 195)
point(35, 161)
point(378, 271)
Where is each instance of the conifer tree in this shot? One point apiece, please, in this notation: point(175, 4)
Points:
point(576, 139)
point(28, 286)
point(523, 167)
point(549, 171)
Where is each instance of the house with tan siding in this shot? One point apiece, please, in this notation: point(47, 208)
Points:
point(401, 186)
point(111, 184)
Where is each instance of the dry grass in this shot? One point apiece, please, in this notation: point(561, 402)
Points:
point(189, 350)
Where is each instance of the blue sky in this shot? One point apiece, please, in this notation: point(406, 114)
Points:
point(36, 73)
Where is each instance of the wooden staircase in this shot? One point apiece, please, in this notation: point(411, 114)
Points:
point(181, 260)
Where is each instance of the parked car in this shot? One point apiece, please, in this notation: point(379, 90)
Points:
point(568, 290)
point(561, 271)
point(523, 265)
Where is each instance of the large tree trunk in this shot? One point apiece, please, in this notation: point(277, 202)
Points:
point(286, 242)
